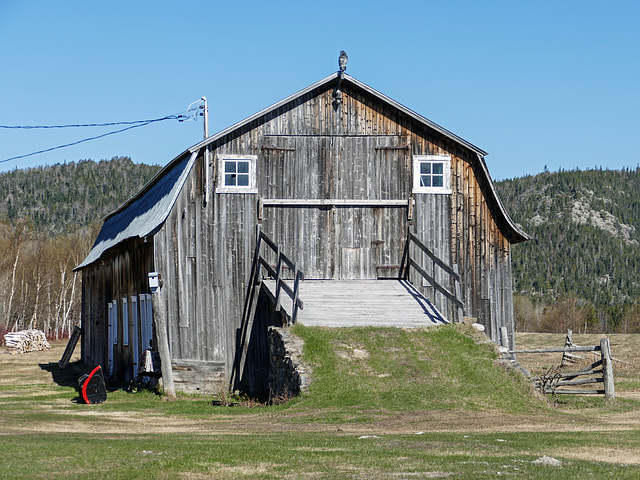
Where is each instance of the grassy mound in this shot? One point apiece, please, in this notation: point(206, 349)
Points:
point(400, 370)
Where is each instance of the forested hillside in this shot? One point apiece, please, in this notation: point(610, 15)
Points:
point(49, 217)
point(583, 265)
point(60, 198)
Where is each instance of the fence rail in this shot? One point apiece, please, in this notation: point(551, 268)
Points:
point(276, 274)
point(555, 380)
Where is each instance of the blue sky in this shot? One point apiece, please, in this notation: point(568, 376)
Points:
point(545, 83)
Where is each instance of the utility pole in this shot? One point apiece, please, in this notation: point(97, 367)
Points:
point(205, 114)
point(205, 167)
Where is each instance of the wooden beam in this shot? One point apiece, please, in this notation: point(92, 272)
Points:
point(332, 202)
point(398, 147)
point(559, 350)
point(163, 343)
point(575, 392)
point(284, 149)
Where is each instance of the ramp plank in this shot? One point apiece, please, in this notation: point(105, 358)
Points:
point(353, 303)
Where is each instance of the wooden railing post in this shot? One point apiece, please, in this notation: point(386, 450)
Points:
point(457, 291)
point(296, 282)
point(278, 280)
point(504, 337)
point(607, 369)
point(256, 278)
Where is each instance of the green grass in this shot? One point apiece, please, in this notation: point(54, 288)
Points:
point(300, 455)
point(367, 382)
point(397, 370)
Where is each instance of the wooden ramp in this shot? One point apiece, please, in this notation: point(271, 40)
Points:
point(356, 303)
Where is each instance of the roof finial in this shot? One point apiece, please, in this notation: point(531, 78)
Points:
point(342, 61)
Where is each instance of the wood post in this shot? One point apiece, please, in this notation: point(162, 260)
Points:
point(66, 356)
point(457, 291)
point(296, 286)
point(163, 343)
point(504, 337)
point(607, 369)
point(278, 279)
point(567, 357)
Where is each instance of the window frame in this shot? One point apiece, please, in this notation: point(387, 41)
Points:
point(221, 163)
point(418, 160)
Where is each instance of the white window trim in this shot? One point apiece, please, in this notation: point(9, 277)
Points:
point(251, 188)
point(446, 188)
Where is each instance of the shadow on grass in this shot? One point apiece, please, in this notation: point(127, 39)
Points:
point(66, 377)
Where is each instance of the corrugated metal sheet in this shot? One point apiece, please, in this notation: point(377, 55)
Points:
point(145, 214)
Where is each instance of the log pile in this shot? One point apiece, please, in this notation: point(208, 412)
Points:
point(26, 341)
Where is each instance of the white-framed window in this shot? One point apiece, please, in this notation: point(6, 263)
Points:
point(237, 174)
point(432, 174)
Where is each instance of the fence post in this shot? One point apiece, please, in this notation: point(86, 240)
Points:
point(607, 369)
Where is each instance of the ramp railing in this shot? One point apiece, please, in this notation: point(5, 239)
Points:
point(276, 273)
point(451, 273)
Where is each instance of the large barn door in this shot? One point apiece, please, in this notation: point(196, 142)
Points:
point(369, 238)
point(337, 239)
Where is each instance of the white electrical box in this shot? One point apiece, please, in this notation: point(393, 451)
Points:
point(154, 282)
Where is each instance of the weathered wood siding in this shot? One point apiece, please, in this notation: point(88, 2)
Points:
point(122, 274)
point(204, 254)
point(339, 241)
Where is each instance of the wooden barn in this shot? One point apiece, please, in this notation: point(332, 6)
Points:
point(336, 183)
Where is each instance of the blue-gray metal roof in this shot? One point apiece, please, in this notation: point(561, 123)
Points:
point(143, 214)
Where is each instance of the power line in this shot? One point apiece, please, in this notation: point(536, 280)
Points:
point(133, 124)
point(71, 144)
point(180, 117)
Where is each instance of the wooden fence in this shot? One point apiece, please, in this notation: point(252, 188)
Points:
point(557, 381)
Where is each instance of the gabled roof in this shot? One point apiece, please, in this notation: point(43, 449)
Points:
point(147, 210)
point(144, 213)
point(346, 79)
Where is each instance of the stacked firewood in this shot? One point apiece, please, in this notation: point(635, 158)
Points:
point(26, 341)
